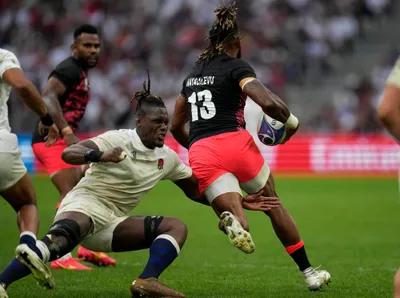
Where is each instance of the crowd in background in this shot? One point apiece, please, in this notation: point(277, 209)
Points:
point(286, 41)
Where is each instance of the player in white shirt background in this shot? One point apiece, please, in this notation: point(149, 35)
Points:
point(389, 114)
point(15, 183)
point(125, 165)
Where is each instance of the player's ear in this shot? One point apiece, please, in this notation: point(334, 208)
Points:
point(138, 121)
point(74, 47)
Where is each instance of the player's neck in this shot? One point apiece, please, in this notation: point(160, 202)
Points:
point(232, 52)
point(81, 63)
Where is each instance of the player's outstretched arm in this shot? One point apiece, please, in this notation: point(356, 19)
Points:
point(53, 91)
point(87, 152)
point(32, 99)
point(389, 110)
point(179, 119)
point(190, 187)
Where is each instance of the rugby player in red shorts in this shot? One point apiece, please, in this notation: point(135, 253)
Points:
point(222, 153)
point(67, 93)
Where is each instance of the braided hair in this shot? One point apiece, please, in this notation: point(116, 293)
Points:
point(145, 99)
point(223, 31)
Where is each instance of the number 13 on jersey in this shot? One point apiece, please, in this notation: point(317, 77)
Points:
point(202, 102)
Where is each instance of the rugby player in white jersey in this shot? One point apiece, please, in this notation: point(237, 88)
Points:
point(125, 165)
point(15, 183)
point(389, 114)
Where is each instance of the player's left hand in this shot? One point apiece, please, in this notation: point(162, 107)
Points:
point(53, 133)
point(258, 202)
point(289, 133)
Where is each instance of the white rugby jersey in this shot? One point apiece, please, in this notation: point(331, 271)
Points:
point(394, 77)
point(123, 184)
point(7, 61)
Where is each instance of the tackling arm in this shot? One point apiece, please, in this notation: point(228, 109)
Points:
point(77, 154)
point(190, 188)
point(271, 104)
point(389, 110)
point(179, 119)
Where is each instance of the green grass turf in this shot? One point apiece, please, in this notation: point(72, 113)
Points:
point(350, 226)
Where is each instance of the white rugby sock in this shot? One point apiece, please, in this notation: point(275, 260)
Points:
point(44, 250)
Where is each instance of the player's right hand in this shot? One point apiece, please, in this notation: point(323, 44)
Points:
point(257, 202)
point(53, 133)
point(70, 139)
point(112, 155)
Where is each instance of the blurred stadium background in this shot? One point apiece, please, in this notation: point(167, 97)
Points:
point(327, 59)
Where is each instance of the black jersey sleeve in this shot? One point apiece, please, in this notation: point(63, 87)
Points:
point(240, 70)
point(67, 73)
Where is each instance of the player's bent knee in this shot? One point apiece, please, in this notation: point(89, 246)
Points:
point(151, 224)
point(174, 227)
point(66, 228)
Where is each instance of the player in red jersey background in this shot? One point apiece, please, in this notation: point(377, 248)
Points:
point(68, 94)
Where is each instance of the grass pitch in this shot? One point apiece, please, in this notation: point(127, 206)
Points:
point(350, 226)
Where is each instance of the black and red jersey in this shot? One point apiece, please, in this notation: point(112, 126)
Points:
point(77, 94)
point(215, 100)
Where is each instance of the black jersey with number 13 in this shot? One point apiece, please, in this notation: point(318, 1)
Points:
point(216, 101)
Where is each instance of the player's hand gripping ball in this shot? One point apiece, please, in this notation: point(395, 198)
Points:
point(114, 155)
point(270, 132)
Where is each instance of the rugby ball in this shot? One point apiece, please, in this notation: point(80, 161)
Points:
point(270, 131)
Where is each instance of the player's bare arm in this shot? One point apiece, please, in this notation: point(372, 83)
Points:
point(54, 90)
point(389, 110)
point(32, 99)
point(179, 118)
point(255, 201)
point(87, 151)
point(271, 104)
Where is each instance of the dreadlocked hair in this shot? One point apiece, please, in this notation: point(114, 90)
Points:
point(145, 99)
point(223, 31)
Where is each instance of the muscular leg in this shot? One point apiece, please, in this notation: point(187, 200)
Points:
point(65, 180)
point(397, 284)
point(165, 236)
point(231, 202)
point(67, 231)
point(233, 220)
point(22, 198)
point(286, 230)
point(282, 222)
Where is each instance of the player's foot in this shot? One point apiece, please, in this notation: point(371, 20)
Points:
point(3, 293)
point(96, 258)
point(39, 270)
point(151, 287)
point(238, 236)
point(316, 279)
point(68, 264)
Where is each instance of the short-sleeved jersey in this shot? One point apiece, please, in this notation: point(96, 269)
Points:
point(76, 97)
point(7, 61)
point(123, 184)
point(216, 101)
point(394, 77)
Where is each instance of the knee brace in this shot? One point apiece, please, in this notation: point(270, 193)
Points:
point(67, 228)
point(151, 224)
